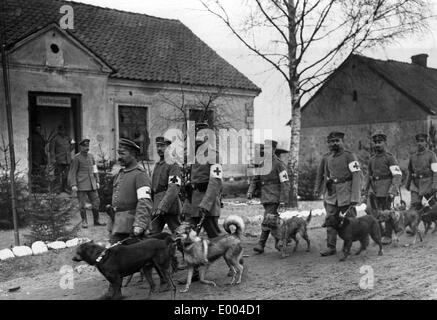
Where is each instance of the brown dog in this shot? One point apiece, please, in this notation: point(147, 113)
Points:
point(400, 218)
point(202, 252)
point(286, 230)
point(352, 229)
point(123, 260)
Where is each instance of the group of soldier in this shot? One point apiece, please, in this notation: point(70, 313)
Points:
point(339, 178)
point(143, 204)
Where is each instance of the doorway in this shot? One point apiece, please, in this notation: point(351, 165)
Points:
point(47, 111)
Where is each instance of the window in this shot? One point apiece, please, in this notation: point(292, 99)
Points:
point(201, 115)
point(132, 122)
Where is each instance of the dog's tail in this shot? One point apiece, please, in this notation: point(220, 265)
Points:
point(309, 216)
point(235, 220)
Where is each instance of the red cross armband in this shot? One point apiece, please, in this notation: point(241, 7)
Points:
point(283, 176)
point(175, 180)
point(216, 171)
point(354, 166)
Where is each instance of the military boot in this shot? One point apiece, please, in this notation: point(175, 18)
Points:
point(331, 240)
point(84, 218)
point(259, 248)
point(96, 218)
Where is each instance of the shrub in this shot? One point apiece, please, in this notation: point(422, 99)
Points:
point(106, 179)
point(49, 216)
point(21, 191)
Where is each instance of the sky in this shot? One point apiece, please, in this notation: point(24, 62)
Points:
point(272, 106)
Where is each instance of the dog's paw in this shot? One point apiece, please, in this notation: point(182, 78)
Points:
point(285, 255)
point(184, 290)
point(380, 253)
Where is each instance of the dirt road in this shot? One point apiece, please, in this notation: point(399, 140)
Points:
point(401, 273)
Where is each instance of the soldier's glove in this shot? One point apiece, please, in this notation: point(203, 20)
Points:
point(138, 231)
point(74, 188)
point(249, 195)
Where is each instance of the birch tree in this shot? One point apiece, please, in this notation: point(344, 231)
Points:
point(305, 40)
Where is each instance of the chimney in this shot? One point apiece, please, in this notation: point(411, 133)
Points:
point(420, 59)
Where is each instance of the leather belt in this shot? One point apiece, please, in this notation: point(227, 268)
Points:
point(200, 186)
point(159, 190)
point(422, 176)
point(269, 182)
point(116, 209)
point(340, 180)
point(382, 177)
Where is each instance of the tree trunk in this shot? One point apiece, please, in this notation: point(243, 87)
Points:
point(293, 157)
point(293, 84)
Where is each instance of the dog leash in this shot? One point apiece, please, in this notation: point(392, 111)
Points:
point(100, 257)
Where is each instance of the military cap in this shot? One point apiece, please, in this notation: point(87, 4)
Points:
point(335, 135)
point(422, 136)
point(84, 142)
point(379, 135)
point(129, 144)
point(274, 143)
point(162, 140)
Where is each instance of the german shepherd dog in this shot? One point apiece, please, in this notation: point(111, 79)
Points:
point(201, 252)
point(352, 229)
point(401, 218)
point(285, 230)
point(120, 261)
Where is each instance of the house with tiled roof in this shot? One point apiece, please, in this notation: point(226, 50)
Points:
point(364, 95)
point(106, 74)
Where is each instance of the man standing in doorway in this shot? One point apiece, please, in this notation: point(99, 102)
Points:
point(84, 178)
point(60, 152)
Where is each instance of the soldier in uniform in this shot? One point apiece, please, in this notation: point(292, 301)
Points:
point(383, 180)
point(60, 153)
point(422, 173)
point(84, 179)
point(343, 186)
point(275, 188)
point(206, 182)
point(320, 183)
point(166, 182)
point(131, 199)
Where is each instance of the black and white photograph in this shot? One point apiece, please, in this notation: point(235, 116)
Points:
point(218, 154)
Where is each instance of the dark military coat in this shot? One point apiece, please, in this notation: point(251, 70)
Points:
point(206, 180)
point(83, 172)
point(384, 175)
point(343, 174)
point(166, 183)
point(132, 200)
point(275, 185)
point(422, 172)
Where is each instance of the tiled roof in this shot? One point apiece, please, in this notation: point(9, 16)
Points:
point(418, 82)
point(136, 46)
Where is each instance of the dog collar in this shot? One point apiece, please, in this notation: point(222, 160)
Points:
point(100, 257)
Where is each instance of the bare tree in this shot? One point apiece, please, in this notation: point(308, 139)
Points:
point(308, 39)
